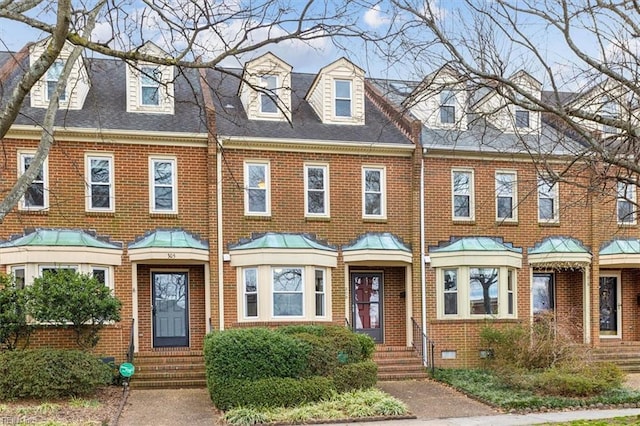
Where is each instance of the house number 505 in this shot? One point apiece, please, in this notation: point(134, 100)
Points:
point(171, 255)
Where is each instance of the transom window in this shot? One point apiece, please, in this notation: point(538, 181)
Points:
point(462, 189)
point(256, 181)
point(343, 98)
point(53, 76)
point(100, 183)
point(447, 107)
point(373, 192)
point(268, 100)
point(547, 200)
point(163, 185)
point(150, 86)
point(36, 196)
point(506, 196)
point(626, 203)
point(317, 190)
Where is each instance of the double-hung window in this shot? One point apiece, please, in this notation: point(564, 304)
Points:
point(483, 291)
point(256, 183)
point(373, 192)
point(288, 292)
point(547, 200)
point(52, 77)
point(316, 183)
point(320, 293)
point(150, 86)
point(100, 189)
point(268, 98)
point(522, 119)
point(36, 196)
point(342, 98)
point(626, 203)
point(447, 107)
point(462, 190)
point(163, 185)
point(506, 196)
point(450, 291)
point(250, 289)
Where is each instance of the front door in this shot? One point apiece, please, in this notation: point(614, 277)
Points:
point(609, 306)
point(366, 289)
point(170, 309)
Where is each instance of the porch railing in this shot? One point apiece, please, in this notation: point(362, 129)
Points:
point(347, 323)
point(424, 346)
point(132, 347)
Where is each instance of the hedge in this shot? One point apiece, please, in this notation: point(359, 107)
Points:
point(361, 375)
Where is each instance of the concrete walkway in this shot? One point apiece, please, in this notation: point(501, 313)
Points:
point(431, 402)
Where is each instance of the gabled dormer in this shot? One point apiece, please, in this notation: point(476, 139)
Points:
point(265, 89)
point(440, 100)
point(506, 109)
point(337, 93)
point(607, 100)
point(150, 86)
point(77, 86)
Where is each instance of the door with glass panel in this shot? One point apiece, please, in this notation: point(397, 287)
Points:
point(170, 309)
point(543, 293)
point(367, 289)
point(609, 306)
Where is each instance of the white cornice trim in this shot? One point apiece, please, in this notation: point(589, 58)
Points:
point(60, 255)
point(283, 256)
point(620, 260)
point(476, 258)
point(377, 256)
point(452, 153)
point(317, 145)
point(78, 134)
point(559, 258)
point(168, 254)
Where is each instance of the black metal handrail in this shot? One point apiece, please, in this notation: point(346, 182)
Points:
point(424, 346)
point(347, 323)
point(132, 347)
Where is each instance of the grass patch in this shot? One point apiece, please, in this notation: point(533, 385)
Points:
point(357, 404)
point(488, 387)
point(83, 403)
point(616, 421)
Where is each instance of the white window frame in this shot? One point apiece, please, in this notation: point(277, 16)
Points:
point(89, 183)
point(270, 95)
point(322, 294)
point(22, 155)
point(325, 189)
point(471, 195)
point(464, 290)
point(153, 160)
point(51, 81)
point(448, 100)
point(383, 192)
point(301, 293)
point(555, 192)
point(337, 98)
point(108, 276)
point(267, 188)
point(245, 294)
point(152, 74)
point(626, 196)
point(23, 268)
point(513, 196)
point(445, 292)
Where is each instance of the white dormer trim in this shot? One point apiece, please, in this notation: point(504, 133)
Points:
point(259, 73)
point(328, 94)
point(77, 86)
point(607, 100)
point(141, 78)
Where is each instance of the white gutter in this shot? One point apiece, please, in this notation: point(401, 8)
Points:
point(220, 245)
point(423, 284)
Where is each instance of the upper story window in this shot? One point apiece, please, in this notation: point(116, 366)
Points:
point(447, 107)
point(36, 197)
point(373, 192)
point(53, 75)
point(547, 200)
point(522, 119)
point(462, 190)
point(506, 196)
point(163, 185)
point(268, 99)
point(257, 200)
point(626, 203)
point(100, 192)
point(343, 98)
point(150, 86)
point(316, 183)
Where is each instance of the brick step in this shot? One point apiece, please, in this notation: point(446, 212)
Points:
point(169, 367)
point(389, 377)
point(164, 384)
point(394, 361)
point(170, 375)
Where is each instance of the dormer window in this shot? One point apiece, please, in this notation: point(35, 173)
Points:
point(609, 110)
point(53, 75)
point(447, 107)
point(343, 98)
point(150, 86)
point(268, 98)
point(522, 119)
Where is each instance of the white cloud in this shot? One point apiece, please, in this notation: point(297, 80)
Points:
point(374, 18)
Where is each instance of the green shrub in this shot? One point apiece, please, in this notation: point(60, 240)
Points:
point(367, 345)
point(14, 326)
point(579, 381)
point(361, 375)
point(270, 392)
point(49, 373)
point(69, 298)
point(254, 353)
point(338, 343)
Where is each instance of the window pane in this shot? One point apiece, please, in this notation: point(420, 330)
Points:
point(100, 196)
point(100, 275)
point(316, 202)
point(164, 198)
point(163, 173)
point(373, 204)
point(319, 293)
point(257, 200)
point(546, 209)
point(27, 162)
point(451, 292)
point(522, 118)
point(343, 108)
point(252, 305)
point(257, 176)
point(287, 304)
point(99, 170)
point(34, 196)
point(505, 207)
point(542, 291)
point(372, 180)
point(462, 208)
point(461, 182)
point(315, 178)
point(250, 280)
point(483, 293)
point(287, 279)
point(19, 275)
point(343, 89)
point(447, 114)
point(150, 96)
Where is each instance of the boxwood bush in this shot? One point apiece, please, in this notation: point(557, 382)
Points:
point(361, 375)
point(50, 373)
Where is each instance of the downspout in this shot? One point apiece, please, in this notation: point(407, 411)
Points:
point(220, 245)
point(423, 281)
